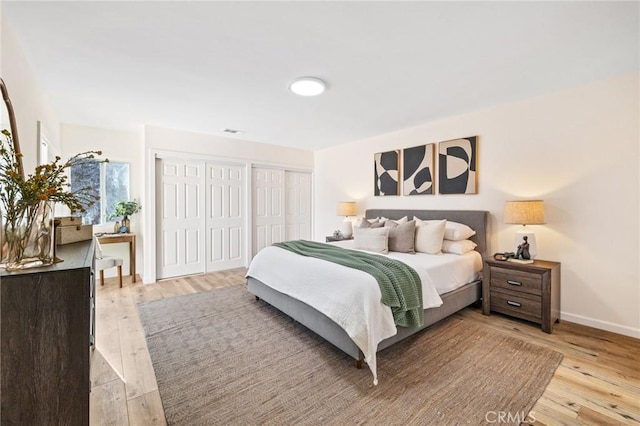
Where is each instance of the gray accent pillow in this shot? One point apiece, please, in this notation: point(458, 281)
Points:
point(366, 224)
point(402, 237)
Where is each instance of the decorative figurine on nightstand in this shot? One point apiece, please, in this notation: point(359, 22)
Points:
point(523, 250)
point(337, 234)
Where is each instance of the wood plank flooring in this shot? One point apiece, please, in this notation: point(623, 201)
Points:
point(124, 389)
point(598, 382)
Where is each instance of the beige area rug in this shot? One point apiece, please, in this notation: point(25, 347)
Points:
point(221, 357)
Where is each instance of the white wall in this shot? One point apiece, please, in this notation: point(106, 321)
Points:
point(195, 145)
point(577, 150)
point(29, 102)
point(116, 146)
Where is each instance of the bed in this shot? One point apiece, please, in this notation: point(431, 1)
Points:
point(321, 324)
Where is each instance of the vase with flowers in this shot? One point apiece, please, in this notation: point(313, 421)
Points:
point(27, 205)
point(124, 209)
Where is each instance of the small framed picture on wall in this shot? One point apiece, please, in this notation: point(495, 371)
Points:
point(458, 166)
point(417, 170)
point(386, 169)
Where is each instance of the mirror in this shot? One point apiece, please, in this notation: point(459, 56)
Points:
point(12, 123)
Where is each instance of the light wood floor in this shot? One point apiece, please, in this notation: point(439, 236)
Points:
point(598, 382)
point(124, 389)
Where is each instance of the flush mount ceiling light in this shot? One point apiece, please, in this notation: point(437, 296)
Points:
point(308, 86)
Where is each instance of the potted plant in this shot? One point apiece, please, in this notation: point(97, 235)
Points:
point(124, 209)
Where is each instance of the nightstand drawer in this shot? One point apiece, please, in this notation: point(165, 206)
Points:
point(520, 281)
point(516, 304)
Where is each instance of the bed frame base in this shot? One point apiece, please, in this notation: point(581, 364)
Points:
point(322, 325)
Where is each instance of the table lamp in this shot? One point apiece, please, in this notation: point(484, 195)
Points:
point(346, 209)
point(525, 213)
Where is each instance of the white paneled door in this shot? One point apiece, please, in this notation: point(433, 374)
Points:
point(180, 217)
point(298, 205)
point(225, 216)
point(268, 207)
point(202, 213)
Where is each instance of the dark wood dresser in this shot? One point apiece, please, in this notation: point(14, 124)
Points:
point(46, 329)
point(527, 291)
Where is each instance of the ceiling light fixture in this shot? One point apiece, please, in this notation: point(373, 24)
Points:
point(308, 86)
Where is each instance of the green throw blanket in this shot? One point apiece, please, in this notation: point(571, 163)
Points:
point(400, 284)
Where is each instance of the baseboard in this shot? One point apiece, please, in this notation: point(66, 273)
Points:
point(602, 325)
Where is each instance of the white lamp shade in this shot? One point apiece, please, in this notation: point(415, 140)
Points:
point(347, 208)
point(524, 212)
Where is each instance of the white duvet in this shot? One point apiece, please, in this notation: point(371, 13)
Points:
point(352, 298)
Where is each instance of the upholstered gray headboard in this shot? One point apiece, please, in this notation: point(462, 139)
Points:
point(476, 219)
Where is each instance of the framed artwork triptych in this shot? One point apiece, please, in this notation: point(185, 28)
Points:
point(457, 169)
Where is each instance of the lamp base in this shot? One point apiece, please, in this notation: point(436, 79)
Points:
point(346, 228)
point(531, 240)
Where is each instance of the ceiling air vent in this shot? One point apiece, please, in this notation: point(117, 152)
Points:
point(233, 131)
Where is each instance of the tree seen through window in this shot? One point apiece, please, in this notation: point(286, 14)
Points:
point(109, 180)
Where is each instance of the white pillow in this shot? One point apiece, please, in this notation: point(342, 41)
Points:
point(429, 235)
point(458, 247)
point(455, 231)
point(372, 239)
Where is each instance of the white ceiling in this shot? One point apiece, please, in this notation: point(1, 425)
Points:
point(206, 66)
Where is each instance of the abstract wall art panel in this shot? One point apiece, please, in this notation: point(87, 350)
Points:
point(417, 170)
point(386, 173)
point(458, 167)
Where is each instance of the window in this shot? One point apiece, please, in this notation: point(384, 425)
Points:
point(109, 180)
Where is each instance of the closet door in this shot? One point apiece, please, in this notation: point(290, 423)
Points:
point(298, 202)
point(180, 218)
point(268, 207)
point(225, 216)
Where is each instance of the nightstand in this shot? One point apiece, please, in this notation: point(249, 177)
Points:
point(332, 239)
point(527, 291)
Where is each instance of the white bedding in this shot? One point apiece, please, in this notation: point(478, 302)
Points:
point(447, 271)
point(352, 298)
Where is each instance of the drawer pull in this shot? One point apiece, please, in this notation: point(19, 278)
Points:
point(518, 283)
point(516, 304)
